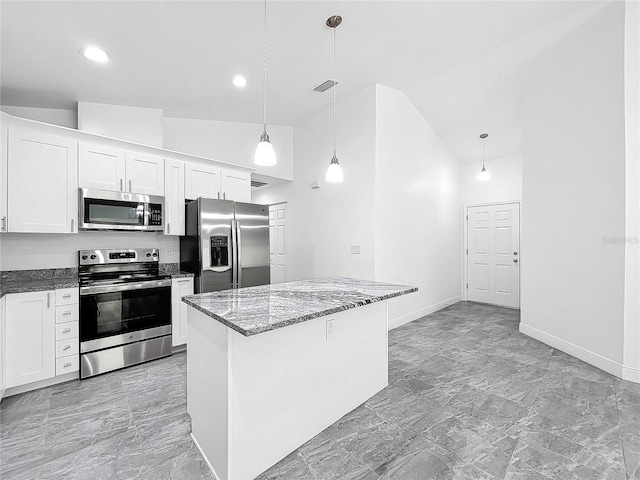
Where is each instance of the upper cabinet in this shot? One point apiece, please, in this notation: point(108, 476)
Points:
point(118, 170)
point(215, 182)
point(145, 173)
point(174, 197)
point(4, 142)
point(42, 183)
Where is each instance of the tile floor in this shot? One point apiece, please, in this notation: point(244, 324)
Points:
point(469, 397)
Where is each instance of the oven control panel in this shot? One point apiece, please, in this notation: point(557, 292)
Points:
point(132, 255)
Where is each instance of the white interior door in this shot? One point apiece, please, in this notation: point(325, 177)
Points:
point(277, 242)
point(493, 254)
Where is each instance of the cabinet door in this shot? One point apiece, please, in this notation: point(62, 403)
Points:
point(3, 349)
point(31, 337)
point(144, 174)
point(4, 148)
point(235, 185)
point(201, 181)
point(42, 178)
point(179, 288)
point(101, 167)
point(173, 197)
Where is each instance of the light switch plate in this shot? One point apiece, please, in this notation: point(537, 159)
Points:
point(355, 249)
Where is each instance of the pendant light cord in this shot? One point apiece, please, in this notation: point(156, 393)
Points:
point(482, 153)
point(264, 97)
point(334, 91)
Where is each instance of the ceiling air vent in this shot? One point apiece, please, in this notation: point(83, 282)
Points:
point(326, 85)
point(257, 184)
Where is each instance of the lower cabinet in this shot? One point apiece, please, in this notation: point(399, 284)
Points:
point(179, 288)
point(31, 337)
point(41, 335)
point(3, 349)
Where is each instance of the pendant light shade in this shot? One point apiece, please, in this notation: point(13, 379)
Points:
point(265, 155)
point(483, 176)
point(334, 172)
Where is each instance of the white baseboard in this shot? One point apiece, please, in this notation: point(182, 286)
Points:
point(592, 358)
point(41, 384)
point(630, 373)
point(204, 457)
point(410, 317)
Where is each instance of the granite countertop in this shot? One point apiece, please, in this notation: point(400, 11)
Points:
point(255, 310)
point(22, 286)
point(181, 274)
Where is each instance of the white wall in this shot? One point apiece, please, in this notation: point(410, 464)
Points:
point(417, 212)
point(26, 251)
point(323, 223)
point(135, 124)
point(574, 193)
point(504, 184)
point(63, 118)
point(632, 244)
point(399, 201)
point(230, 142)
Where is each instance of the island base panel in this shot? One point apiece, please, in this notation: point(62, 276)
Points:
point(253, 400)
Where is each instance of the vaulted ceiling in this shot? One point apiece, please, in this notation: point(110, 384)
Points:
point(460, 62)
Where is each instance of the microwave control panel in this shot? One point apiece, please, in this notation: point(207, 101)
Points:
point(155, 214)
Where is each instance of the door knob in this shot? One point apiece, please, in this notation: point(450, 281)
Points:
point(515, 260)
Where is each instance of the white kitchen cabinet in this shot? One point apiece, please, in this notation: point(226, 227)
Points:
point(3, 349)
point(208, 181)
point(67, 330)
point(179, 288)
point(4, 143)
point(235, 185)
point(119, 170)
point(174, 197)
point(145, 173)
point(201, 181)
point(42, 183)
point(101, 168)
point(30, 337)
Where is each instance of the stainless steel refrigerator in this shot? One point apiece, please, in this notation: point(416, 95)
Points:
point(226, 244)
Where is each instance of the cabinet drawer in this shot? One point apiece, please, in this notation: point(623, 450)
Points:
point(67, 313)
point(67, 330)
point(67, 296)
point(67, 364)
point(67, 347)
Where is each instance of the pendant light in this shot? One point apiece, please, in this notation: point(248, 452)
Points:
point(265, 156)
point(483, 176)
point(334, 172)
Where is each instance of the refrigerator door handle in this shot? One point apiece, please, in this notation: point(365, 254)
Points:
point(239, 253)
point(234, 256)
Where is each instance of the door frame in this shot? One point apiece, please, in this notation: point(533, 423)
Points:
point(465, 245)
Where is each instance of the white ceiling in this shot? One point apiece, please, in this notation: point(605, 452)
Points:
point(459, 62)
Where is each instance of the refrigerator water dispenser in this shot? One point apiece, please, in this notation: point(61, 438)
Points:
point(219, 251)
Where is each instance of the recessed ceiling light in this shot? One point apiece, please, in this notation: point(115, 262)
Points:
point(239, 81)
point(95, 54)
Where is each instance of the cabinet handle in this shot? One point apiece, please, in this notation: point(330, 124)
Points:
point(121, 185)
point(72, 221)
point(168, 228)
point(66, 295)
point(48, 299)
point(66, 312)
point(67, 364)
point(66, 330)
point(184, 281)
point(4, 224)
point(130, 186)
point(224, 195)
point(66, 347)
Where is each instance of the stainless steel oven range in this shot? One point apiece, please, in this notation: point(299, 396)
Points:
point(125, 309)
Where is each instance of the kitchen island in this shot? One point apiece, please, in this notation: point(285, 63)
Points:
point(270, 367)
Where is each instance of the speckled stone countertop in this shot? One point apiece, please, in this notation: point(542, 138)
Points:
point(21, 281)
point(174, 270)
point(255, 310)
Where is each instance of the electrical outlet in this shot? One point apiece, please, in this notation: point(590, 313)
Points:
point(355, 249)
point(170, 251)
point(329, 329)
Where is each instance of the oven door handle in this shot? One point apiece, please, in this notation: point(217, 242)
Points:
point(125, 287)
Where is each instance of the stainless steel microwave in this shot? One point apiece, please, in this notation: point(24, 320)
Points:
point(107, 210)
